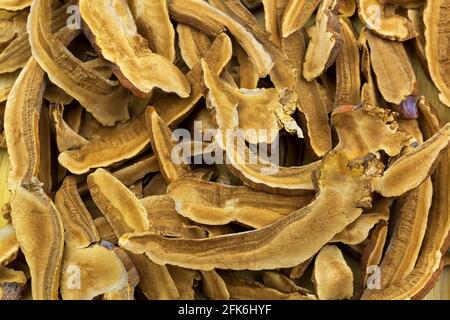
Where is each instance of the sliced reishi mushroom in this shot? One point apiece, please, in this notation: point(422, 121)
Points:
point(14, 5)
point(12, 283)
point(297, 14)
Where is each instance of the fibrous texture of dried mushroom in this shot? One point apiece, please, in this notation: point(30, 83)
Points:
point(223, 149)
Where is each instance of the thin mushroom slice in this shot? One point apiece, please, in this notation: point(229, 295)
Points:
point(283, 244)
point(358, 230)
point(213, 286)
point(153, 23)
point(79, 227)
point(332, 276)
point(132, 172)
point(194, 12)
point(252, 4)
point(121, 44)
point(393, 70)
point(437, 38)
point(7, 81)
point(9, 247)
point(193, 44)
point(105, 99)
point(217, 204)
point(120, 144)
point(105, 231)
point(297, 14)
point(389, 26)
point(282, 283)
point(185, 280)
point(14, 5)
point(89, 272)
point(12, 284)
point(66, 138)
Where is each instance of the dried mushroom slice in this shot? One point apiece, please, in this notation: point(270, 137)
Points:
point(347, 8)
point(105, 99)
point(174, 109)
point(137, 68)
point(104, 230)
point(280, 282)
point(137, 170)
point(185, 280)
point(203, 16)
point(395, 76)
point(437, 38)
point(252, 4)
point(325, 43)
point(332, 276)
point(162, 144)
point(193, 43)
point(9, 247)
point(120, 144)
point(358, 230)
point(297, 14)
point(12, 283)
point(7, 81)
point(405, 3)
point(66, 138)
point(79, 227)
point(213, 286)
point(216, 204)
point(153, 23)
point(14, 5)
point(348, 74)
point(242, 289)
point(40, 233)
point(89, 272)
point(345, 185)
point(386, 24)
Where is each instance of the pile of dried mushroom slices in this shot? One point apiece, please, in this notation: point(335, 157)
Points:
point(92, 92)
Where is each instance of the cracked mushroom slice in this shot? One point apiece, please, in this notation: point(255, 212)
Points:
point(332, 277)
point(162, 144)
point(89, 272)
point(286, 243)
point(437, 36)
point(137, 67)
point(435, 243)
point(105, 99)
point(153, 23)
point(79, 227)
point(390, 26)
point(393, 70)
point(14, 5)
point(296, 14)
point(12, 283)
point(40, 233)
point(217, 204)
point(326, 42)
point(126, 213)
point(66, 138)
point(9, 247)
point(120, 144)
point(174, 109)
point(348, 73)
point(205, 17)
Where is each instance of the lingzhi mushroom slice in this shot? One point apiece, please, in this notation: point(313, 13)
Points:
point(9, 247)
point(12, 284)
point(121, 44)
point(14, 5)
point(297, 14)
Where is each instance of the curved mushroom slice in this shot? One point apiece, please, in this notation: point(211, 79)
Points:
point(282, 283)
point(376, 127)
point(395, 76)
point(252, 4)
point(369, 90)
point(397, 179)
point(153, 23)
point(332, 276)
point(9, 247)
point(79, 227)
point(105, 99)
point(105, 231)
point(7, 81)
point(126, 213)
point(437, 41)
point(358, 230)
point(21, 124)
point(213, 286)
point(389, 26)
point(14, 5)
point(416, 17)
point(120, 144)
point(285, 243)
point(162, 145)
point(217, 204)
point(405, 3)
point(12, 283)
point(193, 44)
point(166, 221)
point(137, 170)
point(248, 76)
point(185, 280)
point(137, 68)
point(40, 233)
point(296, 14)
point(89, 272)
point(156, 186)
point(348, 73)
point(66, 138)
point(347, 8)
point(197, 13)
point(326, 42)
point(428, 266)
point(242, 289)
point(174, 109)
point(54, 94)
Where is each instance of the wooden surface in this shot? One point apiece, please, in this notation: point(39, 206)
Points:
point(442, 289)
